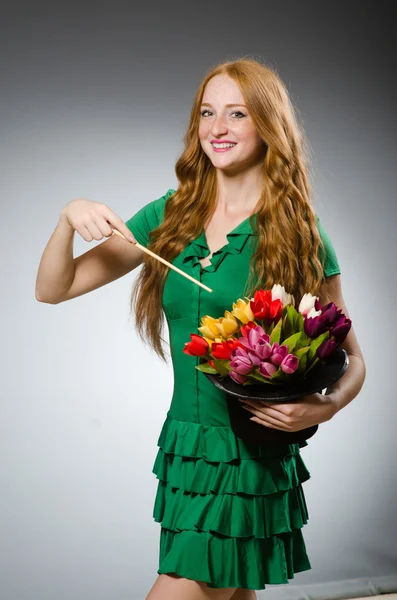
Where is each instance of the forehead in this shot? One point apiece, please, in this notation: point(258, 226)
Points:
point(222, 89)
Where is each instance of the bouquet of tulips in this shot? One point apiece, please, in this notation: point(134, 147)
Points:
point(266, 339)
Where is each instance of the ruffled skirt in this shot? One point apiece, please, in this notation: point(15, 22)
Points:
point(231, 513)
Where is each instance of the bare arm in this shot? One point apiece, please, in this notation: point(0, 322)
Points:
point(56, 269)
point(61, 277)
point(348, 387)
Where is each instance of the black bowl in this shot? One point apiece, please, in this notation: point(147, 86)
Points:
point(321, 376)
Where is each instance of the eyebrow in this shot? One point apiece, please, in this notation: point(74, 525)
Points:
point(227, 105)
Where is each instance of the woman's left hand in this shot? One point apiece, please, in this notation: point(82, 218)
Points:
point(307, 411)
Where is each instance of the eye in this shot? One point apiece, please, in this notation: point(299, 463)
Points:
point(235, 112)
point(238, 112)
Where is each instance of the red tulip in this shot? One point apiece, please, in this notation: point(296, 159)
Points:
point(222, 349)
point(197, 347)
point(264, 308)
point(245, 328)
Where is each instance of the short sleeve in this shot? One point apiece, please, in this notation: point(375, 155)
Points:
point(147, 218)
point(330, 260)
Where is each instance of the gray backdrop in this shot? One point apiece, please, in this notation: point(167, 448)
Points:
point(94, 103)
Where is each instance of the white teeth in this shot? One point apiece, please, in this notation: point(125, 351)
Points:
point(223, 145)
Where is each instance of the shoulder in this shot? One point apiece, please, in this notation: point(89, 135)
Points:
point(155, 208)
point(153, 212)
point(327, 255)
point(149, 217)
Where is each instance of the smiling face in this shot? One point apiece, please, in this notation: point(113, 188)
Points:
point(227, 133)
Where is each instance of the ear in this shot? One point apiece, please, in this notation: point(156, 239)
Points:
point(331, 291)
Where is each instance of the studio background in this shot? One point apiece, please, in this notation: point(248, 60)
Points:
point(95, 102)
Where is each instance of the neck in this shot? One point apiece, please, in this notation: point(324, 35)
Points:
point(239, 193)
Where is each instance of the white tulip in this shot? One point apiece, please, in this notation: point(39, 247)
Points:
point(307, 303)
point(313, 313)
point(279, 293)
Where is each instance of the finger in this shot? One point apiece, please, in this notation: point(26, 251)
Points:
point(268, 423)
point(94, 230)
point(265, 417)
point(103, 226)
point(276, 413)
point(277, 409)
point(254, 403)
point(85, 233)
point(118, 223)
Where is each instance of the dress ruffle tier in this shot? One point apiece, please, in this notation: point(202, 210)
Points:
point(223, 502)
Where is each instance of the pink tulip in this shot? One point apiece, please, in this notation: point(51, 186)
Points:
point(254, 358)
point(263, 349)
point(279, 353)
point(267, 369)
point(257, 344)
point(238, 352)
point(237, 377)
point(290, 363)
point(241, 364)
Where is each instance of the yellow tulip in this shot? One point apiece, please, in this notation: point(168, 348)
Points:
point(207, 333)
point(210, 341)
point(242, 310)
point(227, 325)
point(209, 328)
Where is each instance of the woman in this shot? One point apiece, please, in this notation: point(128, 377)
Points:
point(231, 513)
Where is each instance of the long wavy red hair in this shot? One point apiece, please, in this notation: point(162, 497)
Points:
point(289, 245)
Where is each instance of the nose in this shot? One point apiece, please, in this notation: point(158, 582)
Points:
point(219, 126)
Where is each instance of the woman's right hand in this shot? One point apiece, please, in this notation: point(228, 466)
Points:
point(94, 220)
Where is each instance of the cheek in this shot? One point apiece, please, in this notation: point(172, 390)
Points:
point(203, 130)
point(250, 137)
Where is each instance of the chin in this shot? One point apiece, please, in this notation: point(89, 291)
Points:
point(225, 166)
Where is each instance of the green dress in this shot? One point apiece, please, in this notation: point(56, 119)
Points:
point(231, 513)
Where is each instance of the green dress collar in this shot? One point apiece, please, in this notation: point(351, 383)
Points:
point(198, 248)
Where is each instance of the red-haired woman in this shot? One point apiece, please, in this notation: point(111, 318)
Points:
point(241, 219)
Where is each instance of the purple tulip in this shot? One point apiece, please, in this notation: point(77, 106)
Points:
point(331, 313)
point(326, 348)
point(341, 329)
point(317, 305)
point(315, 326)
point(267, 369)
point(290, 363)
point(278, 354)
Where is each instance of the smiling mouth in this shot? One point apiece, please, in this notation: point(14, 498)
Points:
point(222, 147)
